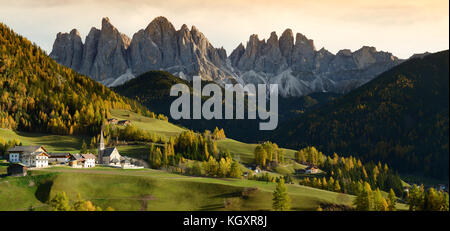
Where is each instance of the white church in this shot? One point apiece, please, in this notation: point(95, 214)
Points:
point(107, 156)
point(112, 158)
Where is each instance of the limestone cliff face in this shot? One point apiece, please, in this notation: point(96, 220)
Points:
point(300, 69)
point(109, 56)
point(183, 52)
point(112, 58)
point(68, 49)
point(102, 56)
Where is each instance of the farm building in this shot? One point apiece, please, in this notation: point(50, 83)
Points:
point(16, 169)
point(30, 156)
point(124, 122)
point(113, 121)
point(89, 160)
point(82, 160)
point(311, 170)
point(60, 158)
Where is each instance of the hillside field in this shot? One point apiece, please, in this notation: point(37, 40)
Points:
point(155, 190)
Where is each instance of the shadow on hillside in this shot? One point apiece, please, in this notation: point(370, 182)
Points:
point(211, 207)
point(228, 195)
point(43, 191)
point(58, 142)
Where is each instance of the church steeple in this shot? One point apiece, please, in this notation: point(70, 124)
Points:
point(101, 147)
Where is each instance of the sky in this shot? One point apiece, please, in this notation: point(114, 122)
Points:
point(402, 27)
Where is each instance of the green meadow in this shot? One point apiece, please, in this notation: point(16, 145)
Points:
point(155, 190)
point(148, 189)
point(148, 124)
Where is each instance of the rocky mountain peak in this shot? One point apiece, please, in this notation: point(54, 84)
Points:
point(68, 49)
point(74, 32)
point(288, 33)
point(300, 69)
point(344, 52)
point(161, 24)
point(236, 55)
point(302, 40)
point(113, 58)
point(184, 27)
point(273, 39)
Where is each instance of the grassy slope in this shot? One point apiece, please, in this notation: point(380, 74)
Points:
point(18, 194)
point(58, 143)
point(171, 192)
point(167, 191)
point(53, 143)
point(245, 151)
point(128, 189)
point(149, 124)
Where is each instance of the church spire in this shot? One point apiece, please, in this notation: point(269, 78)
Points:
point(101, 147)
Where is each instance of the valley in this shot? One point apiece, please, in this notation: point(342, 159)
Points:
point(346, 140)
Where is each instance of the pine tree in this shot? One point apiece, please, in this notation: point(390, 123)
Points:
point(281, 200)
point(83, 205)
point(60, 202)
point(211, 167)
point(379, 203)
point(337, 186)
point(416, 198)
point(432, 200)
point(235, 171)
point(224, 167)
point(157, 158)
point(392, 200)
point(445, 201)
point(84, 149)
point(364, 200)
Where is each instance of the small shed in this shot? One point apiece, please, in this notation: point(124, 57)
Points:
point(16, 169)
point(113, 121)
point(311, 170)
point(124, 122)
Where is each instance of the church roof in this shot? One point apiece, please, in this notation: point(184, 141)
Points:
point(108, 151)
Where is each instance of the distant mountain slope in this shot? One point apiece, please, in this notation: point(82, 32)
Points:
point(296, 65)
point(38, 94)
point(152, 89)
point(401, 117)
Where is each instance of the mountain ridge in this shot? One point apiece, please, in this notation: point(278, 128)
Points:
point(112, 58)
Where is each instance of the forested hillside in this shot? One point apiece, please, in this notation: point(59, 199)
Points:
point(400, 118)
point(37, 94)
point(152, 90)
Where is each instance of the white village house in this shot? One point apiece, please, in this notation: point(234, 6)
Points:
point(30, 156)
point(82, 160)
point(89, 160)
